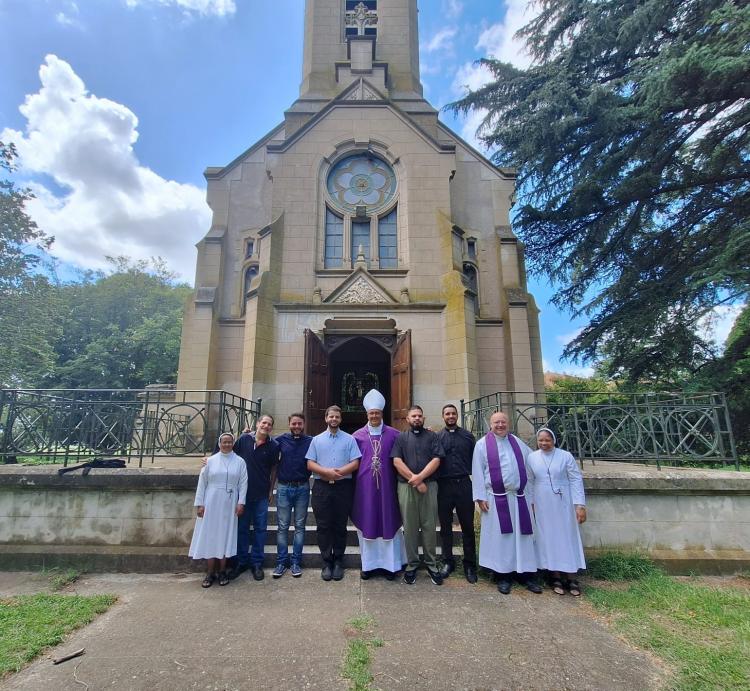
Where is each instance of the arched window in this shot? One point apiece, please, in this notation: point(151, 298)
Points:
point(250, 274)
point(334, 251)
point(362, 189)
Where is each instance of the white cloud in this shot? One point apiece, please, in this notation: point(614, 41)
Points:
point(577, 371)
point(69, 15)
point(717, 324)
point(442, 40)
point(564, 339)
point(219, 8)
point(497, 41)
point(110, 204)
point(453, 8)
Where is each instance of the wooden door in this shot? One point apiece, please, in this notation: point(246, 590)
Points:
point(401, 381)
point(316, 383)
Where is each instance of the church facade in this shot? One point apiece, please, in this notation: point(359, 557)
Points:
point(360, 244)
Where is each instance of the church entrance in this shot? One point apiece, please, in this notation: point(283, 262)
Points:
point(342, 368)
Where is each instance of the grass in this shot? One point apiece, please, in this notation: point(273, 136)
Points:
point(61, 578)
point(620, 566)
point(358, 656)
point(29, 624)
point(701, 632)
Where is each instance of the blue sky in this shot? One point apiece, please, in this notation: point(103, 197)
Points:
point(117, 107)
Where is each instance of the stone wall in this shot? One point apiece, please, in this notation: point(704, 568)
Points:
point(142, 520)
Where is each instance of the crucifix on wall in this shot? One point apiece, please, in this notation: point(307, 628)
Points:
point(361, 17)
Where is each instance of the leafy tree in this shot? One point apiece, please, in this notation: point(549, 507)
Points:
point(120, 330)
point(17, 230)
point(731, 374)
point(630, 132)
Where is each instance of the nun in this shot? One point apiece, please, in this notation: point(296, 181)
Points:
point(559, 507)
point(219, 500)
point(375, 512)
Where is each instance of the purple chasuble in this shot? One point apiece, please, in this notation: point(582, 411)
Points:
point(498, 486)
point(375, 511)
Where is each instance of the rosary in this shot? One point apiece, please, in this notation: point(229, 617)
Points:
point(376, 444)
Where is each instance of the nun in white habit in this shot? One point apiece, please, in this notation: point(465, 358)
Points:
point(219, 500)
point(559, 506)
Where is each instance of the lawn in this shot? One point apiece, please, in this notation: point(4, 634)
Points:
point(31, 623)
point(701, 632)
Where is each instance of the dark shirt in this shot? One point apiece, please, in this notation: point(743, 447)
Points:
point(293, 467)
point(458, 445)
point(417, 449)
point(260, 461)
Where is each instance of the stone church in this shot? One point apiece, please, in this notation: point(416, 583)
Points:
point(361, 243)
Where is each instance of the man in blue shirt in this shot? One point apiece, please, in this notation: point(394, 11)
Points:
point(292, 494)
point(332, 458)
point(261, 456)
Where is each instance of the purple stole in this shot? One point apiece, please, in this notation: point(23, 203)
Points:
point(498, 486)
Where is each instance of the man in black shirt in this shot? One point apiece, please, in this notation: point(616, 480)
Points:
point(454, 492)
point(261, 456)
point(416, 456)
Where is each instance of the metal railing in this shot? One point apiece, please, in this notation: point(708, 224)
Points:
point(65, 424)
point(671, 428)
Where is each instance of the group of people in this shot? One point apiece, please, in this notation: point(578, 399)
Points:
point(395, 486)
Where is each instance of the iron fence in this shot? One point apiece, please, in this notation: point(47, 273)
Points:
point(65, 424)
point(672, 428)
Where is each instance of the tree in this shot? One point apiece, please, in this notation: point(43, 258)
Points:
point(120, 330)
point(630, 132)
point(17, 230)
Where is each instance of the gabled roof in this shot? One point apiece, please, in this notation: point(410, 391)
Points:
point(362, 289)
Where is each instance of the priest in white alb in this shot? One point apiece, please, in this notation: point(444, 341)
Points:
point(375, 512)
point(499, 485)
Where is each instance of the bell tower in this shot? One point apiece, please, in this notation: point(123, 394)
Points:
point(349, 39)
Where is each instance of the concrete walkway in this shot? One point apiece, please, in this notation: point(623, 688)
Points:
point(168, 633)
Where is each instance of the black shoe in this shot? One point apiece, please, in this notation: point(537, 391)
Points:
point(410, 577)
point(258, 573)
point(471, 573)
point(448, 568)
point(237, 570)
point(435, 577)
point(390, 575)
point(533, 587)
point(338, 571)
point(504, 586)
point(365, 575)
point(327, 572)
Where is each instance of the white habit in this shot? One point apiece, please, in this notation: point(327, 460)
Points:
point(381, 553)
point(503, 553)
point(557, 488)
point(222, 485)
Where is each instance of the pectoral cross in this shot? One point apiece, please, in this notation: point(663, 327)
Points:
point(360, 17)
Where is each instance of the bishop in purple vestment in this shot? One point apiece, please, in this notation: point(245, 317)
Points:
point(375, 513)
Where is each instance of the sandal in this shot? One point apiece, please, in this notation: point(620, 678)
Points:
point(208, 581)
point(223, 578)
point(574, 588)
point(557, 587)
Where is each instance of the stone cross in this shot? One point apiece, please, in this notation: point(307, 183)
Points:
point(361, 17)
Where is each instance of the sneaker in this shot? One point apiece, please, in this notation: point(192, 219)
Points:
point(410, 577)
point(296, 570)
point(435, 577)
point(279, 571)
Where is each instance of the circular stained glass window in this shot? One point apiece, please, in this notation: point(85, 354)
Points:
point(361, 180)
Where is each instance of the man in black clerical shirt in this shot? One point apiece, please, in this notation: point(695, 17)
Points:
point(416, 457)
point(454, 492)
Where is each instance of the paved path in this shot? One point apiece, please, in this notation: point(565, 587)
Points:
point(168, 633)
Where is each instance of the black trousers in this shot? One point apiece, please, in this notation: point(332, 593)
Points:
point(332, 504)
point(456, 494)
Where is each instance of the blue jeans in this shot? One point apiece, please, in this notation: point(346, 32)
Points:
point(256, 514)
point(290, 497)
